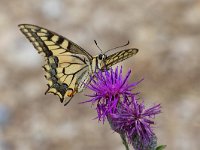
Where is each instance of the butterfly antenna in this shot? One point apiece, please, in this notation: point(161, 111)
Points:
point(118, 47)
point(98, 46)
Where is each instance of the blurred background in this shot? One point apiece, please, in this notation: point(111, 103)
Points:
point(167, 33)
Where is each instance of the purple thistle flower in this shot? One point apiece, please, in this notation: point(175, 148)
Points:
point(110, 89)
point(134, 120)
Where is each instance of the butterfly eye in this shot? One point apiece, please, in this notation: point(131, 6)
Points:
point(100, 56)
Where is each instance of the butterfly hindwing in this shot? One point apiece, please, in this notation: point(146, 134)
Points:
point(119, 56)
point(65, 61)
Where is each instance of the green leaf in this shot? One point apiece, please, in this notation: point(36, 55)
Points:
point(161, 147)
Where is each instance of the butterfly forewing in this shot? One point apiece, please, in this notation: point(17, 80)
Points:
point(65, 61)
point(120, 56)
point(48, 41)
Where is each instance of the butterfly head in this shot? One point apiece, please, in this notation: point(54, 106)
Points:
point(101, 58)
point(101, 61)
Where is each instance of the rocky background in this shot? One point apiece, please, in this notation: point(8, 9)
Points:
point(167, 32)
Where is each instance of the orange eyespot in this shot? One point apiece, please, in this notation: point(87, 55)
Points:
point(71, 94)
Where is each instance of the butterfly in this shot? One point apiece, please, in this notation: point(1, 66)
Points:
point(68, 67)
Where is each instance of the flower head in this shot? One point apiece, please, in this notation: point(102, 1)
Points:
point(109, 89)
point(134, 120)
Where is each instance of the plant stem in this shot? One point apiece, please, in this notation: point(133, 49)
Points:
point(124, 141)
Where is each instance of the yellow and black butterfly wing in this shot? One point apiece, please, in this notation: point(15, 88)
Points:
point(48, 42)
point(119, 56)
point(66, 63)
